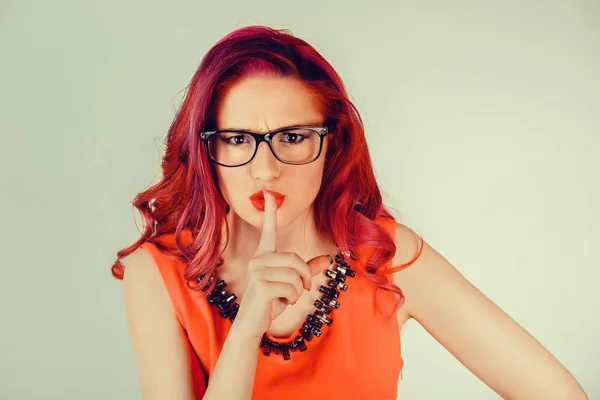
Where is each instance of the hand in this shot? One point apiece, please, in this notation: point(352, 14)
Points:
point(274, 280)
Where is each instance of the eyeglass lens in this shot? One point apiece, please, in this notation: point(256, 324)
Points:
point(293, 146)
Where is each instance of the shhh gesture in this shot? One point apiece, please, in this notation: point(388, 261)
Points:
point(275, 280)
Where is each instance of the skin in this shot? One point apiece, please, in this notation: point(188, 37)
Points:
point(461, 318)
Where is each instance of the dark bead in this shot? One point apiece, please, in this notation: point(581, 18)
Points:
point(306, 325)
point(306, 333)
point(335, 275)
point(216, 292)
point(225, 303)
point(330, 302)
point(325, 309)
point(216, 297)
point(346, 271)
point(236, 307)
point(264, 344)
point(323, 317)
point(300, 343)
point(231, 310)
point(293, 346)
point(314, 321)
point(316, 331)
point(276, 347)
point(266, 350)
point(341, 260)
point(337, 285)
point(329, 292)
point(220, 285)
point(285, 351)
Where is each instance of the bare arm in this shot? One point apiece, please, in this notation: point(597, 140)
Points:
point(233, 377)
point(165, 359)
point(475, 330)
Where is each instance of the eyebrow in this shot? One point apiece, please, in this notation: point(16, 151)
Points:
point(316, 124)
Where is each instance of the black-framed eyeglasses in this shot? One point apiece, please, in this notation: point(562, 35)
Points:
point(294, 145)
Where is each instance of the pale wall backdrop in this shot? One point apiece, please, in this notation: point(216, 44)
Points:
point(482, 119)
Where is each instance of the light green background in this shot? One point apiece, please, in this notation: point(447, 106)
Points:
point(482, 119)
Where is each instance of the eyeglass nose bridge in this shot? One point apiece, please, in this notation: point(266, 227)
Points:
point(263, 137)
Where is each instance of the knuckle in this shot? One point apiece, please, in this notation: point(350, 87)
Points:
point(290, 275)
point(255, 276)
point(297, 286)
point(297, 281)
point(288, 256)
point(291, 292)
point(252, 264)
point(263, 285)
point(295, 258)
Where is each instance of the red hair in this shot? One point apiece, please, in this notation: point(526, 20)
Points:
point(188, 196)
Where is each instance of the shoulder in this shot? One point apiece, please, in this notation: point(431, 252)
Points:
point(423, 274)
point(142, 283)
point(141, 266)
point(152, 277)
point(409, 247)
point(408, 244)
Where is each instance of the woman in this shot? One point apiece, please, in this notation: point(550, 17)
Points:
point(273, 270)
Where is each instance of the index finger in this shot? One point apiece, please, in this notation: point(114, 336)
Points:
point(266, 243)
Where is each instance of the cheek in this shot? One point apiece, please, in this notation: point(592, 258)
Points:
point(228, 180)
point(309, 183)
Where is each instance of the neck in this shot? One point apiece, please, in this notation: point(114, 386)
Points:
point(299, 236)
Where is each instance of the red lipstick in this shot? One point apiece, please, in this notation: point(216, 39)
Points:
point(258, 199)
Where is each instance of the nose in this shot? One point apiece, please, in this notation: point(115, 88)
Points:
point(264, 165)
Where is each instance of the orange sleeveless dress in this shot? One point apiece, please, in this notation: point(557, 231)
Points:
point(356, 357)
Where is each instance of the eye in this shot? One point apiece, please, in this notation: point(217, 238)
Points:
point(233, 140)
point(239, 139)
point(292, 137)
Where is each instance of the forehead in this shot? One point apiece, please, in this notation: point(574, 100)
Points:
point(267, 103)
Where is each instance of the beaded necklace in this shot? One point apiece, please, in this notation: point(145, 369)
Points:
point(313, 323)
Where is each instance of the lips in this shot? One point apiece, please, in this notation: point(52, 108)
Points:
point(258, 199)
